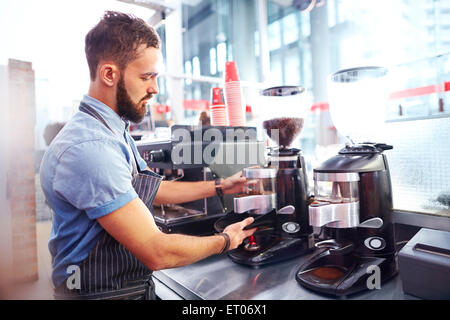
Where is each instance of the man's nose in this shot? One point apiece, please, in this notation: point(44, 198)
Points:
point(153, 88)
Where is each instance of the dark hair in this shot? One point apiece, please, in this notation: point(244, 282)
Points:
point(117, 37)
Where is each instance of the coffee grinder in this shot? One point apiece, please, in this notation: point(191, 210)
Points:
point(277, 195)
point(177, 159)
point(353, 195)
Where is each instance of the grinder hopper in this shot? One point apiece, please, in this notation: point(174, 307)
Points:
point(284, 110)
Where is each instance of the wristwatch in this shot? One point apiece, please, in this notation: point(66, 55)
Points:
point(219, 190)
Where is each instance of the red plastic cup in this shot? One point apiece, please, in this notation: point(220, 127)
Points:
point(235, 103)
point(231, 72)
point(218, 114)
point(217, 96)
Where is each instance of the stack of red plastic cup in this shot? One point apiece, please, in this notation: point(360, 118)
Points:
point(218, 109)
point(234, 96)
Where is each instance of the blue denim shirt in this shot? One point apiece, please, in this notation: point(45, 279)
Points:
point(86, 174)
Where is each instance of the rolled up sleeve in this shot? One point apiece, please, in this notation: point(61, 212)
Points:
point(94, 176)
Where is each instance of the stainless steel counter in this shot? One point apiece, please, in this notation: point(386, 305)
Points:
point(217, 277)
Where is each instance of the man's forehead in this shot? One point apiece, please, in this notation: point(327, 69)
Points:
point(143, 50)
point(148, 58)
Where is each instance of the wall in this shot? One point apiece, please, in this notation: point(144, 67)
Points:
point(5, 216)
point(20, 170)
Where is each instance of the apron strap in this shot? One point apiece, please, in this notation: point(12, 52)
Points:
point(92, 112)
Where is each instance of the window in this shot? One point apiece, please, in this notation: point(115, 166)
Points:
point(274, 33)
point(292, 62)
point(306, 25)
point(290, 28)
point(196, 66)
point(410, 42)
point(188, 70)
point(332, 14)
point(214, 32)
point(257, 44)
point(411, 38)
point(276, 68)
point(221, 56)
point(212, 61)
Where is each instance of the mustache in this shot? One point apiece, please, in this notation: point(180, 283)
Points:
point(148, 96)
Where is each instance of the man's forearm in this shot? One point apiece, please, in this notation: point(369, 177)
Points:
point(180, 191)
point(180, 250)
point(134, 227)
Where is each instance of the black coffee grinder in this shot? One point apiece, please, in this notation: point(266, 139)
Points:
point(281, 215)
point(353, 205)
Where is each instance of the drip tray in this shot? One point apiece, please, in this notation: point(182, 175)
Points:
point(328, 274)
point(326, 271)
point(344, 274)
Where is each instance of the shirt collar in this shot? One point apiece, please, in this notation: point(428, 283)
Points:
point(116, 123)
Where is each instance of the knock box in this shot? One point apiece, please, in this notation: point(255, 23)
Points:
point(424, 264)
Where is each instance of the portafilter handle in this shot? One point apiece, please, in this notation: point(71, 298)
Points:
point(268, 220)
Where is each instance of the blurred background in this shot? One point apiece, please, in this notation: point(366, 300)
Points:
point(44, 74)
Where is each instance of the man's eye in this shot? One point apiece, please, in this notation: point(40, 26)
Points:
point(148, 77)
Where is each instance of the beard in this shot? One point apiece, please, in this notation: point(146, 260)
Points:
point(126, 108)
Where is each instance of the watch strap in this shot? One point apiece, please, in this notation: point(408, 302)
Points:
point(227, 242)
point(219, 190)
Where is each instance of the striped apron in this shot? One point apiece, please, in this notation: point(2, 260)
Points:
point(111, 271)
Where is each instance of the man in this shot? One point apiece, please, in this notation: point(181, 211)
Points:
point(104, 241)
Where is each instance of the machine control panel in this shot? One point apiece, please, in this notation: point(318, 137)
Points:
point(291, 227)
point(375, 243)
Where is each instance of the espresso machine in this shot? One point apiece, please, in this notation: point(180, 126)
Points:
point(184, 157)
point(353, 197)
point(276, 194)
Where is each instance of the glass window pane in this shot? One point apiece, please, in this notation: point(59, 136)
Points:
point(257, 44)
point(290, 28)
point(274, 34)
point(196, 66)
point(230, 52)
point(420, 176)
point(276, 69)
point(221, 56)
point(292, 67)
point(332, 14)
point(306, 26)
point(212, 61)
point(188, 70)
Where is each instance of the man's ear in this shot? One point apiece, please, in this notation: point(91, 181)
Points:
point(109, 74)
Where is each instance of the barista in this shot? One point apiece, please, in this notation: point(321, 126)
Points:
point(104, 241)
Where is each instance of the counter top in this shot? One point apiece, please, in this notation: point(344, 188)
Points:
point(217, 278)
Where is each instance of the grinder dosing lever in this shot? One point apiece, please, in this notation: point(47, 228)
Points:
point(259, 196)
point(268, 220)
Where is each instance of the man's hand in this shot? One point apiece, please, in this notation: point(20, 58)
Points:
point(233, 184)
point(236, 232)
point(134, 227)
